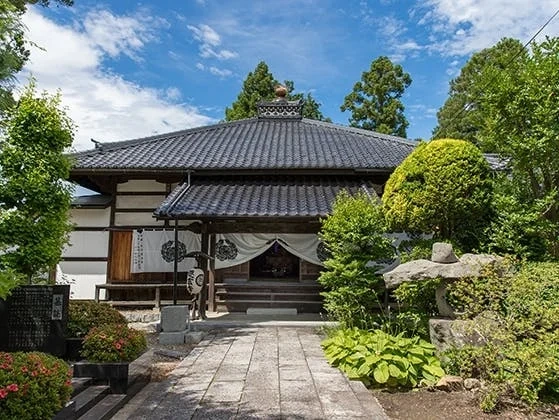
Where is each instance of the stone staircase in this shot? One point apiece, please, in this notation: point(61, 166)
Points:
point(94, 401)
point(238, 297)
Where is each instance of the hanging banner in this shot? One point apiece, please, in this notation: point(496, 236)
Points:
point(238, 248)
point(153, 251)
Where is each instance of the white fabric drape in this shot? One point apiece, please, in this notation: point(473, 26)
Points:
point(153, 250)
point(301, 245)
point(238, 248)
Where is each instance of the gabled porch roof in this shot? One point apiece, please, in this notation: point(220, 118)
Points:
point(284, 197)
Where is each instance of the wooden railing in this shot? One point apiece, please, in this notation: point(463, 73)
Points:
point(156, 302)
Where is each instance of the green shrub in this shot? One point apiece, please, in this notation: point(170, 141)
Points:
point(113, 343)
point(9, 279)
point(522, 359)
point(353, 234)
point(84, 315)
point(32, 385)
point(443, 186)
point(380, 359)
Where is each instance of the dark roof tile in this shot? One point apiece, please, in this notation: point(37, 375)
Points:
point(253, 144)
point(260, 197)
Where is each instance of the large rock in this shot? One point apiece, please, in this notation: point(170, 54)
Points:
point(448, 333)
point(469, 265)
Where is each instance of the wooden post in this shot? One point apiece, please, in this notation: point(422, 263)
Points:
point(176, 262)
point(211, 276)
point(204, 291)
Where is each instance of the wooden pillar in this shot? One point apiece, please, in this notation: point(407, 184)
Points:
point(204, 291)
point(176, 262)
point(211, 275)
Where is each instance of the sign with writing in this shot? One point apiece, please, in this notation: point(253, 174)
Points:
point(33, 318)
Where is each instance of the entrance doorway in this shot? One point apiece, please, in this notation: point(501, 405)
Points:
point(276, 264)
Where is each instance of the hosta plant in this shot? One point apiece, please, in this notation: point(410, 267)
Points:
point(381, 360)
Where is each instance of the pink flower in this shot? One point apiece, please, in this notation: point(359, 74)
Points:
point(118, 346)
point(24, 369)
point(3, 393)
point(12, 388)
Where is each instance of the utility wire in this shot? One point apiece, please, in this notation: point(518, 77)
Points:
point(466, 106)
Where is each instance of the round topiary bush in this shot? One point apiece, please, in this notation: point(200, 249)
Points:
point(113, 343)
point(444, 187)
point(32, 385)
point(84, 315)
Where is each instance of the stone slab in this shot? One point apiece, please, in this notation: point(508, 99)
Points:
point(174, 318)
point(172, 337)
point(271, 311)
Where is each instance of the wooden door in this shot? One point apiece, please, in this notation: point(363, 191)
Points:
point(121, 255)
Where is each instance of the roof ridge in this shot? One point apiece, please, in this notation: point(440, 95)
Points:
point(117, 145)
point(368, 133)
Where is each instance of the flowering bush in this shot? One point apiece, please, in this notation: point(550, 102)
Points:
point(32, 385)
point(83, 315)
point(113, 343)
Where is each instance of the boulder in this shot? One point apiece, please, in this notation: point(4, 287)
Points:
point(450, 383)
point(471, 384)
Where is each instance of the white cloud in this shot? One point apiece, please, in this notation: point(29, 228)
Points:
point(220, 72)
point(465, 26)
point(104, 105)
point(117, 35)
point(205, 34)
point(209, 39)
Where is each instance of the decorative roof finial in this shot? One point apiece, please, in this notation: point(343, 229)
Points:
point(281, 93)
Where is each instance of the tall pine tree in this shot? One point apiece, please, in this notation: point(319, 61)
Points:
point(375, 103)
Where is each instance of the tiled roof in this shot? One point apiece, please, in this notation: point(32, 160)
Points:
point(258, 197)
point(257, 143)
point(96, 201)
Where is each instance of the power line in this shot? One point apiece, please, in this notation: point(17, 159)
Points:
point(466, 106)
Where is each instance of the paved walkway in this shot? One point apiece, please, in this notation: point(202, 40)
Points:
point(255, 373)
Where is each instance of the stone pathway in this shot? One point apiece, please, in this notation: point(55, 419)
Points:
point(255, 373)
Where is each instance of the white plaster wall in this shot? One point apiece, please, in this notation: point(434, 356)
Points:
point(139, 201)
point(139, 185)
point(91, 217)
point(136, 219)
point(87, 244)
point(82, 277)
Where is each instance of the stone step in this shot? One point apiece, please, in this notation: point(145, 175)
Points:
point(79, 384)
point(105, 408)
point(274, 296)
point(242, 305)
point(90, 396)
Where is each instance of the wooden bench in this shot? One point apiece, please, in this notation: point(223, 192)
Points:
point(140, 286)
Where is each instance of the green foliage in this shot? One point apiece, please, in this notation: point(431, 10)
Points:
point(113, 343)
point(353, 234)
point(443, 187)
point(32, 385)
point(84, 315)
point(375, 103)
point(380, 359)
point(259, 85)
point(9, 279)
point(521, 113)
point(13, 51)
point(462, 114)
point(518, 227)
point(34, 200)
point(522, 359)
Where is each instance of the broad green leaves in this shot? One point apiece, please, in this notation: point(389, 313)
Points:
point(380, 359)
point(34, 199)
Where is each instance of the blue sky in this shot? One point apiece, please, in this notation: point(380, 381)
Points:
point(129, 69)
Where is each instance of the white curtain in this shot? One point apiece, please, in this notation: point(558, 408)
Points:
point(153, 251)
point(238, 248)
